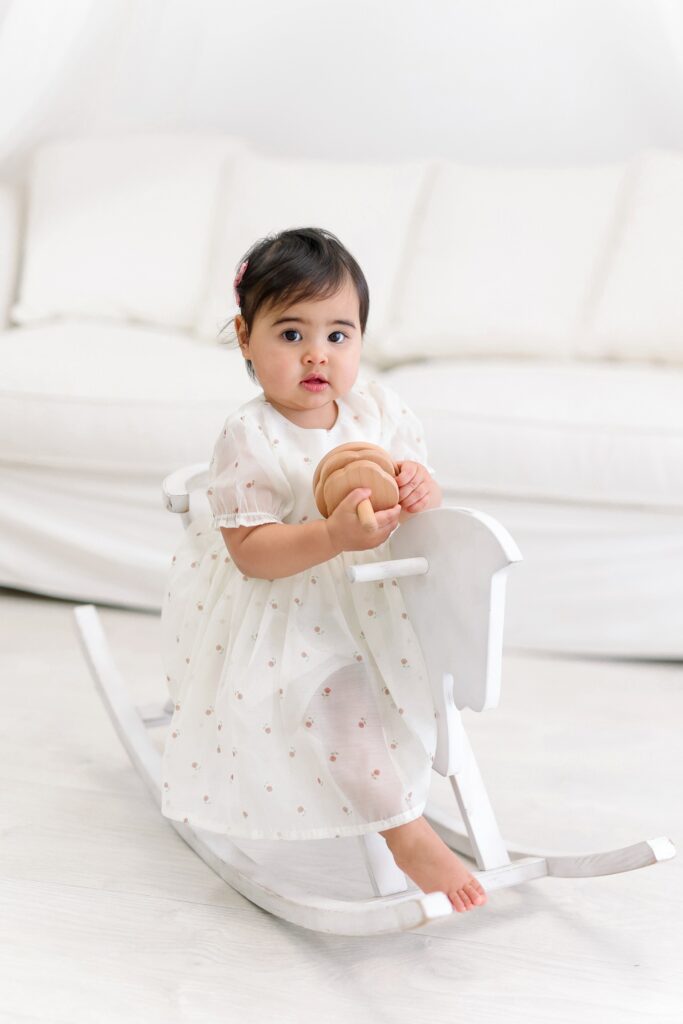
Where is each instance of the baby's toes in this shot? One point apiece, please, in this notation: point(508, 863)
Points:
point(476, 893)
point(454, 897)
point(460, 900)
point(466, 897)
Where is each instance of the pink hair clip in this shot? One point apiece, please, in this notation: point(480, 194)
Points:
point(238, 277)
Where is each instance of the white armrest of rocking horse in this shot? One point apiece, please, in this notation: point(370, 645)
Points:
point(454, 559)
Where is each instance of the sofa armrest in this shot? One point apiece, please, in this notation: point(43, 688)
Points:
point(9, 248)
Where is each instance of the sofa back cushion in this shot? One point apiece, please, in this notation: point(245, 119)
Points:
point(119, 229)
point(369, 206)
point(502, 262)
point(638, 309)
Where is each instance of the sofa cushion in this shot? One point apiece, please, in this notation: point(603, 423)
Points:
point(120, 228)
point(502, 263)
point(369, 206)
point(134, 401)
point(121, 400)
point(600, 433)
point(638, 313)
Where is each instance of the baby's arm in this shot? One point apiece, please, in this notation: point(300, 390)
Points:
point(272, 550)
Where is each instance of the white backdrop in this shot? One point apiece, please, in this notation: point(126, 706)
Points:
point(485, 81)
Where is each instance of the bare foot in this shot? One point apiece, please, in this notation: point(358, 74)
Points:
point(422, 855)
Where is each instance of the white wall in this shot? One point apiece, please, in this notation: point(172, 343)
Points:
point(491, 81)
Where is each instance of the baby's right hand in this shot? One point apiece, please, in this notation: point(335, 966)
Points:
point(346, 530)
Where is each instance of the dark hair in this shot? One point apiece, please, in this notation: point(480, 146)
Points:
point(294, 265)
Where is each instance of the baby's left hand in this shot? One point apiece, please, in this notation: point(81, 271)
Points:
point(414, 486)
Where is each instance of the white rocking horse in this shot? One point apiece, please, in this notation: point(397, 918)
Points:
point(455, 559)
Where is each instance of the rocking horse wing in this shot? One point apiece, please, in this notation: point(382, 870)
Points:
point(457, 608)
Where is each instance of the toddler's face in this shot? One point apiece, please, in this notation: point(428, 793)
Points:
point(289, 343)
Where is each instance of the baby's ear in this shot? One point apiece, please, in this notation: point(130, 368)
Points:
point(241, 330)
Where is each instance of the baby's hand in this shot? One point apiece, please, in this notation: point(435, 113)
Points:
point(414, 486)
point(346, 531)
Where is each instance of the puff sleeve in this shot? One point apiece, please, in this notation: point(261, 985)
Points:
point(247, 485)
point(402, 431)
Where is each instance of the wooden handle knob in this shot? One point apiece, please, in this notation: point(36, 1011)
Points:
point(366, 514)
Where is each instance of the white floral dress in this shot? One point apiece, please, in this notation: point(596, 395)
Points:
point(302, 705)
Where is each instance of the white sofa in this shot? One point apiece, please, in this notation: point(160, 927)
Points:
point(533, 318)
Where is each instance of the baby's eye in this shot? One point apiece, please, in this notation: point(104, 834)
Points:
point(339, 332)
point(291, 330)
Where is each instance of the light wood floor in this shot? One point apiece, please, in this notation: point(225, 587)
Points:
point(107, 916)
